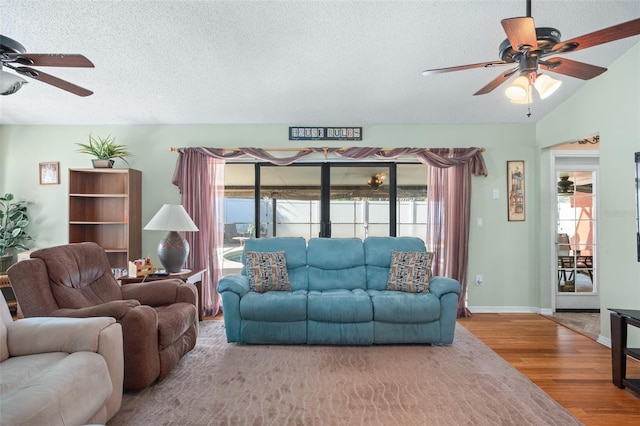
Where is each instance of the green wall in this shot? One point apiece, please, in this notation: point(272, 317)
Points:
point(609, 106)
point(513, 257)
point(492, 246)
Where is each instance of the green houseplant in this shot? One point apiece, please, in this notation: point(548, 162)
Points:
point(104, 150)
point(13, 221)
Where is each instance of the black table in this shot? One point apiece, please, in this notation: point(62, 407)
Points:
point(620, 318)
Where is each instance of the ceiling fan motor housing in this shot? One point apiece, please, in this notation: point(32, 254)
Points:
point(547, 37)
point(8, 45)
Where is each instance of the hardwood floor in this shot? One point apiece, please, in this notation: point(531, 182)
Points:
point(572, 368)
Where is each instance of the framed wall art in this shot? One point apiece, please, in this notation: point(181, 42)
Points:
point(515, 190)
point(49, 173)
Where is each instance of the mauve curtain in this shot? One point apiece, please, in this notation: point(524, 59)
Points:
point(200, 179)
point(448, 214)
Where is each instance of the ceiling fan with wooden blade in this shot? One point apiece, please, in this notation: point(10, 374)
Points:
point(14, 56)
point(528, 47)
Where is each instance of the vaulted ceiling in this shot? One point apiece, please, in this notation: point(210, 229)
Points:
point(287, 62)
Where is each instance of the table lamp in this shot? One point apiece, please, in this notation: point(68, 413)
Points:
point(174, 248)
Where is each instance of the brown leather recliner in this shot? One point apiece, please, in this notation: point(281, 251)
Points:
point(159, 319)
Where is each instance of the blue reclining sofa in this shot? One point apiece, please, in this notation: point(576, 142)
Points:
point(338, 296)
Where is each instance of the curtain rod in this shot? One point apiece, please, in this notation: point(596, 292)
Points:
point(173, 149)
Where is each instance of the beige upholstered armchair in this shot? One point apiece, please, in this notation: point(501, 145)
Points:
point(159, 319)
point(59, 371)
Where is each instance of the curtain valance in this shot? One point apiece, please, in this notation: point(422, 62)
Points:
point(435, 157)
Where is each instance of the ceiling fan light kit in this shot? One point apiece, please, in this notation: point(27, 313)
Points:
point(519, 92)
point(10, 83)
point(527, 47)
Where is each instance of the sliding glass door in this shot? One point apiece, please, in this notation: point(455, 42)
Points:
point(321, 200)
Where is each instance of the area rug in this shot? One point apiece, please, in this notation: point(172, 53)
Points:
point(585, 323)
point(218, 383)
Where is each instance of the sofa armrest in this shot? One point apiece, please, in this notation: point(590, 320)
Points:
point(48, 334)
point(161, 292)
point(116, 309)
point(236, 283)
point(443, 285)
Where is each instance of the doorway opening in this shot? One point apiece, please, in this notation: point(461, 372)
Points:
point(575, 225)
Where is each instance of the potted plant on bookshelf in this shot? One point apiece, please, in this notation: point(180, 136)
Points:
point(104, 150)
point(13, 221)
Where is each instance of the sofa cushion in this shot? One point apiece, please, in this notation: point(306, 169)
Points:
point(53, 388)
point(410, 271)
point(278, 306)
point(377, 251)
point(267, 271)
point(340, 305)
point(336, 263)
point(401, 307)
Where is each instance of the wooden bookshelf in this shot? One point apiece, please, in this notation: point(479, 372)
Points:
point(105, 206)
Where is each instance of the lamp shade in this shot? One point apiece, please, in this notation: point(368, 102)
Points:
point(173, 249)
point(546, 85)
point(171, 217)
point(519, 89)
point(526, 100)
point(10, 83)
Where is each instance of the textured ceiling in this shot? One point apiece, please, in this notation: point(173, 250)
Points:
point(286, 62)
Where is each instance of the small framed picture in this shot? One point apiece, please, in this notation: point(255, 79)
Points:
point(515, 190)
point(50, 173)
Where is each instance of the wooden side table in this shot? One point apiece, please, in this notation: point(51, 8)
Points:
point(186, 275)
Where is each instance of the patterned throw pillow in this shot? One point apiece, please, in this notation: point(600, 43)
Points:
point(410, 271)
point(267, 271)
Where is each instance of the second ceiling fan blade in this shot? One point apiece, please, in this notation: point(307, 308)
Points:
point(54, 81)
point(520, 32)
point(51, 59)
point(464, 67)
point(605, 35)
point(572, 68)
point(495, 82)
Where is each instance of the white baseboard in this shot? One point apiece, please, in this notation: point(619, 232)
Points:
point(604, 341)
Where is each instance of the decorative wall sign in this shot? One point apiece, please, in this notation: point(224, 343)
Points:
point(515, 190)
point(325, 133)
point(49, 173)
